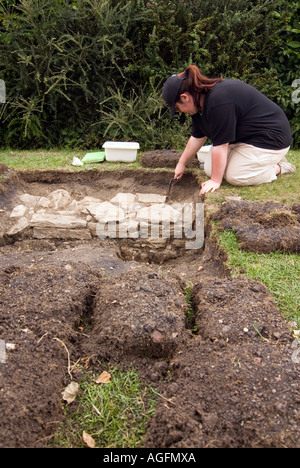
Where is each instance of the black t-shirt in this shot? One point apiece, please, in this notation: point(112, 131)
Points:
point(235, 112)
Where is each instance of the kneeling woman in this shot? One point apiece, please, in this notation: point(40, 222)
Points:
point(250, 134)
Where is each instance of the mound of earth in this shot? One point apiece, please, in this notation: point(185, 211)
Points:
point(262, 227)
point(235, 383)
point(40, 309)
point(139, 315)
point(165, 158)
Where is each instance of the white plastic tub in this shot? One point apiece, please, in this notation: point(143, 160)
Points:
point(204, 154)
point(121, 151)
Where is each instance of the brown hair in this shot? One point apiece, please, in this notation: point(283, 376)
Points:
point(196, 84)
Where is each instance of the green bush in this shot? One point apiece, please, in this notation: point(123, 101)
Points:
point(286, 60)
point(58, 59)
point(78, 72)
point(141, 116)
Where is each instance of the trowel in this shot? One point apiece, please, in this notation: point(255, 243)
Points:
point(172, 181)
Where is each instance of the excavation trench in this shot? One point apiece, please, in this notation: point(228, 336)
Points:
point(71, 295)
point(131, 209)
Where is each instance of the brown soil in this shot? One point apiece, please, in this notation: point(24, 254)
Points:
point(263, 227)
point(232, 384)
point(165, 158)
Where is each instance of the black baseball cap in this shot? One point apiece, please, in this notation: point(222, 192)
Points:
point(170, 92)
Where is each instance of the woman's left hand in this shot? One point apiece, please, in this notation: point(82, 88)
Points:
point(209, 185)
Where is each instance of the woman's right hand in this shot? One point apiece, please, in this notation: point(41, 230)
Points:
point(179, 170)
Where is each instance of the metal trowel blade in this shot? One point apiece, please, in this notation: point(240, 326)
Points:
point(172, 181)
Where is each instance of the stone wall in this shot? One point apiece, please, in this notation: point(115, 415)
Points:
point(146, 227)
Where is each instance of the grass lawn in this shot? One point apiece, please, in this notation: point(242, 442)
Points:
point(43, 160)
point(114, 414)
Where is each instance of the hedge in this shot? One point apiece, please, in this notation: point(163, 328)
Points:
point(80, 72)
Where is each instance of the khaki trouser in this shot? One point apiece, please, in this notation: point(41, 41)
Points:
point(249, 165)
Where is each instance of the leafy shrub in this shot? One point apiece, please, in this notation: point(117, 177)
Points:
point(80, 71)
point(286, 60)
point(141, 116)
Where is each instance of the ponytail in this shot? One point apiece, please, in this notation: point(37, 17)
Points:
point(196, 84)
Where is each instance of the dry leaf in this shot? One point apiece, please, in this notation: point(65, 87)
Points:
point(70, 392)
point(104, 377)
point(88, 440)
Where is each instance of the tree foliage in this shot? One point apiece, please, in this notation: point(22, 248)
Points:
point(83, 71)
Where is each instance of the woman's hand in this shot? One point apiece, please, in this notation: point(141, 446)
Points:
point(219, 162)
point(193, 145)
point(209, 185)
point(179, 170)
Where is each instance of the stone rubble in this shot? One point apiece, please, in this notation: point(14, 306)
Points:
point(61, 221)
point(60, 216)
point(18, 211)
point(18, 227)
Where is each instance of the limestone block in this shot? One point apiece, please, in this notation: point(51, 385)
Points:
point(87, 200)
point(132, 209)
point(107, 212)
point(88, 209)
point(18, 211)
point(63, 234)
point(20, 226)
point(29, 200)
point(73, 205)
point(59, 199)
point(46, 220)
point(143, 214)
point(149, 198)
point(126, 199)
point(187, 209)
point(158, 213)
point(44, 202)
point(66, 213)
point(88, 205)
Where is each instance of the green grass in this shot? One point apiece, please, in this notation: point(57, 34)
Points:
point(56, 159)
point(280, 272)
point(115, 414)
